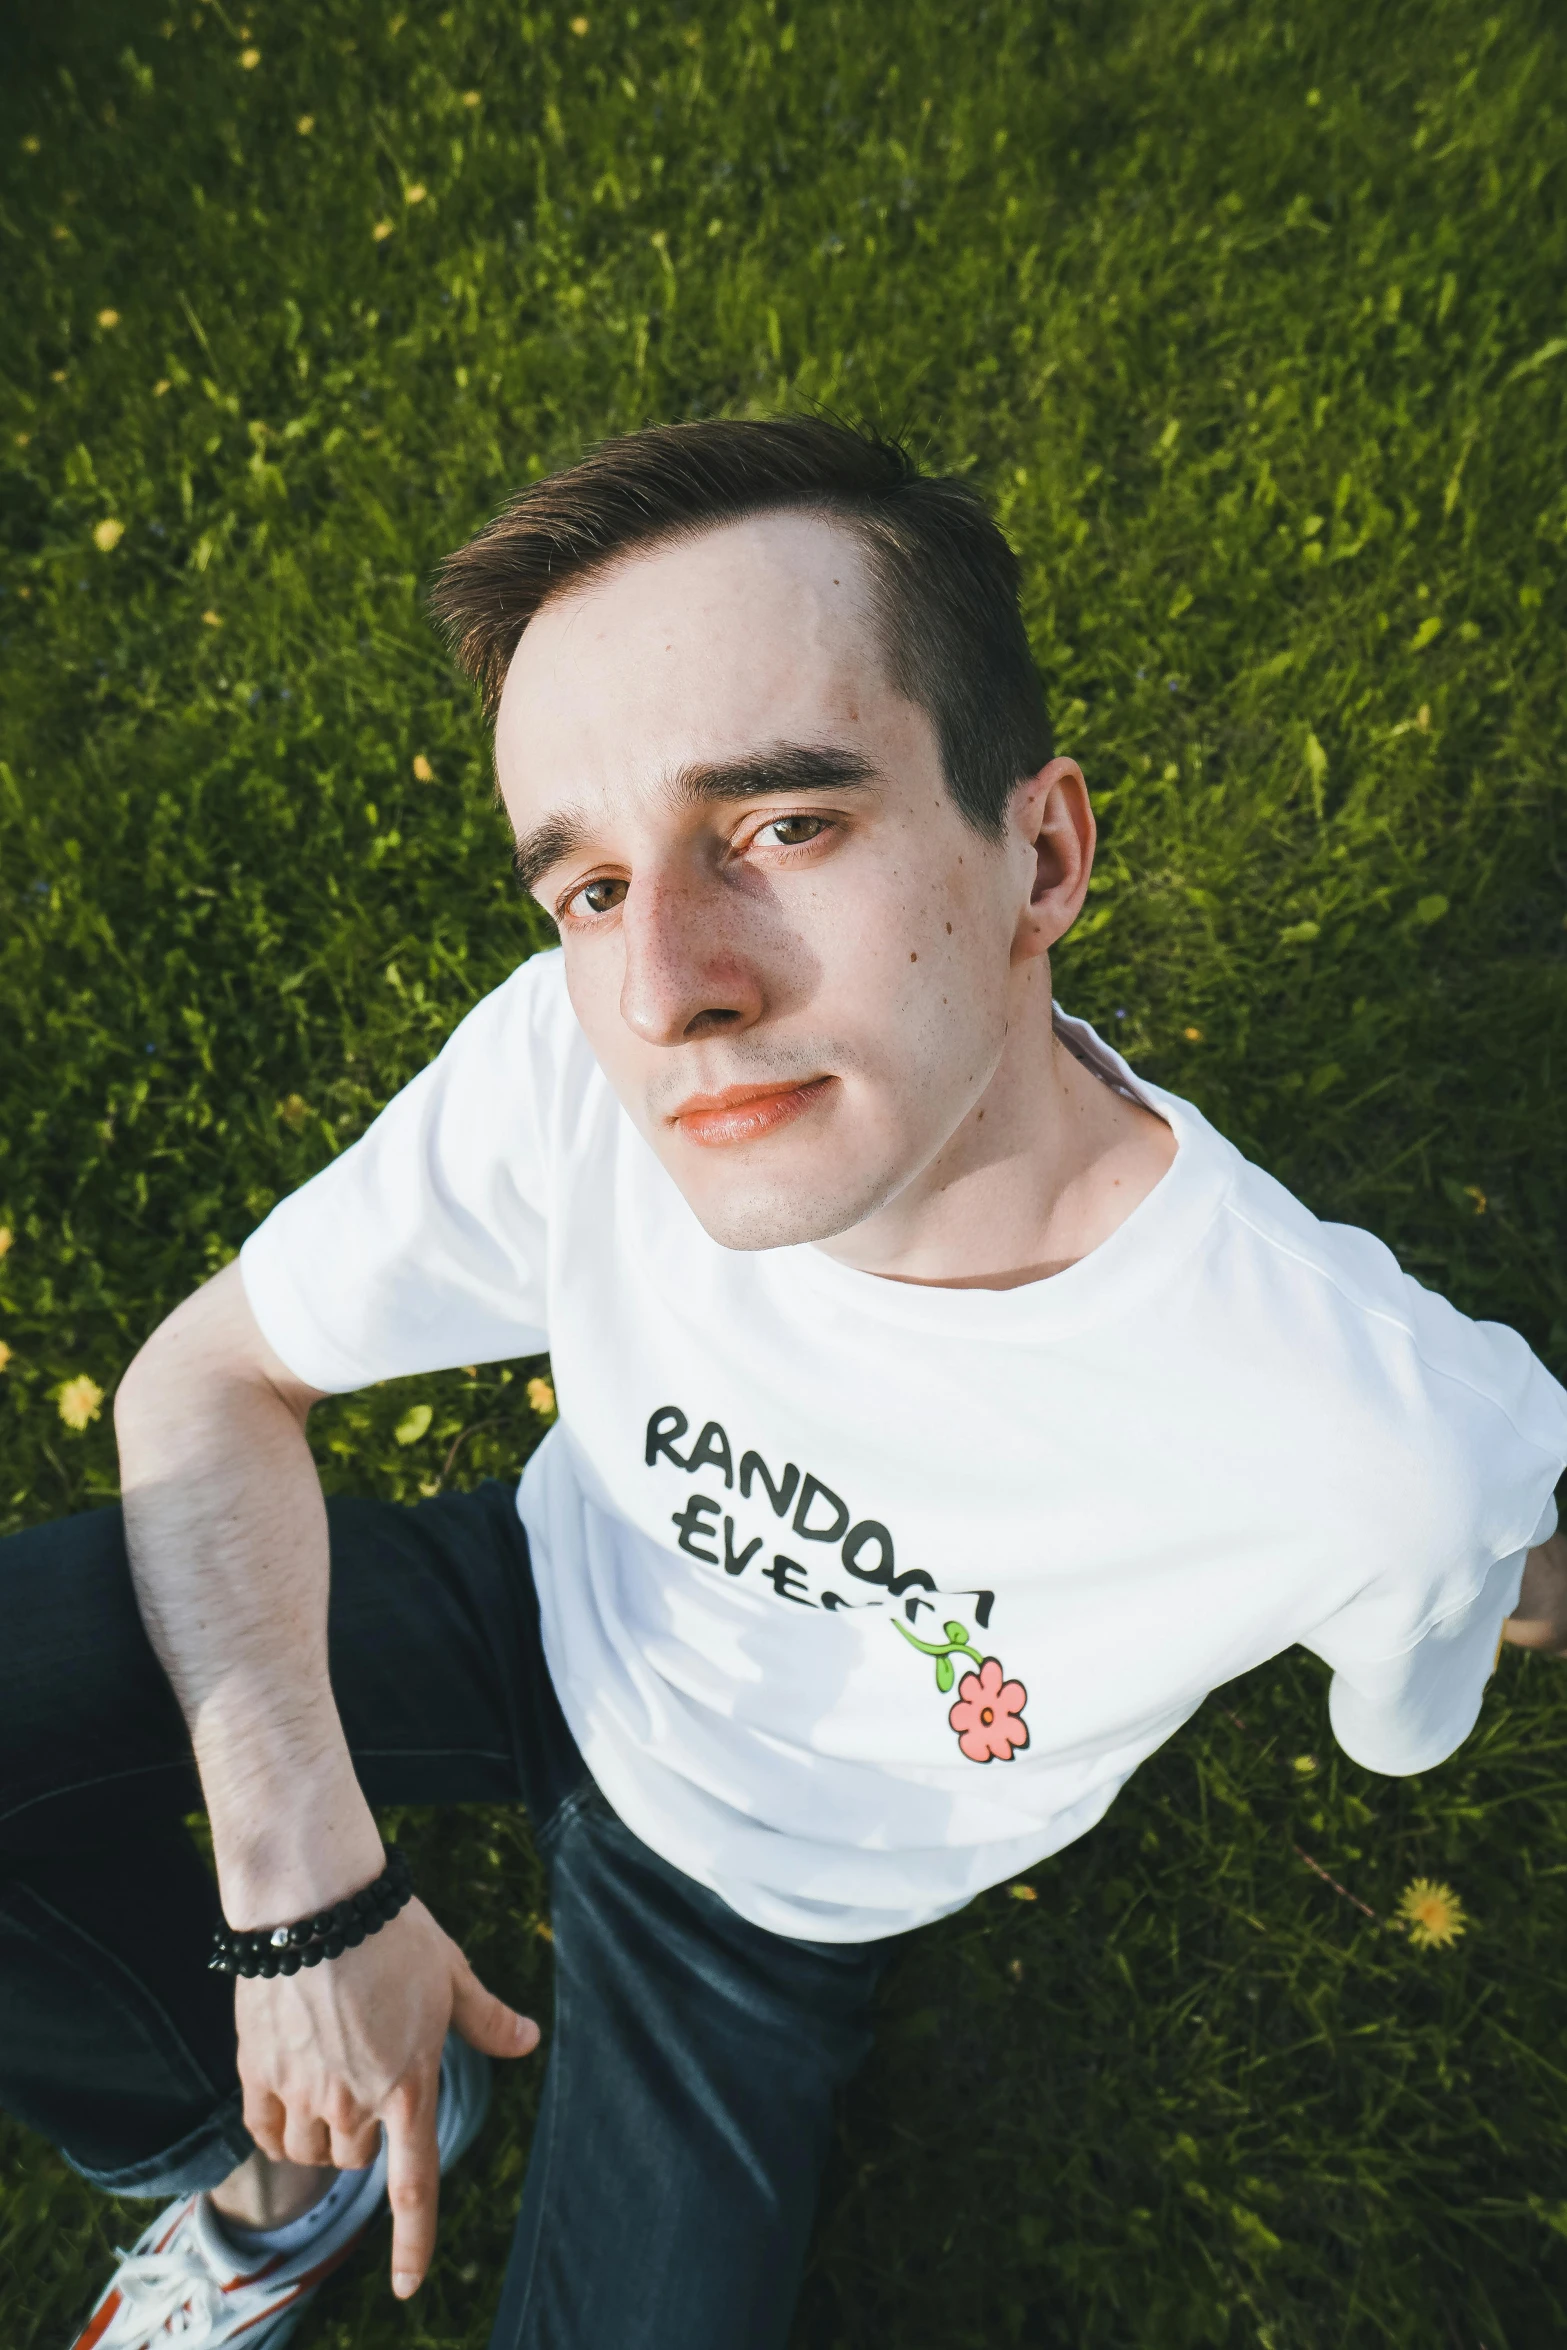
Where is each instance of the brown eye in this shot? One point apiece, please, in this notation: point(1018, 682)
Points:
point(792, 832)
point(600, 897)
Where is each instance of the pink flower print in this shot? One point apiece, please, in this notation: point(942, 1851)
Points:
point(988, 1716)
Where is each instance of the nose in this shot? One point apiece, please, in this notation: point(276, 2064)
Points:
point(686, 971)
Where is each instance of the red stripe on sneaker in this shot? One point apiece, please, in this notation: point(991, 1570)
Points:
point(263, 2317)
point(301, 2285)
point(324, 2268)
point(98, 2324)
point(256, 2276)
point(273, 2309)
point(164, 2242)
point(103, 2316)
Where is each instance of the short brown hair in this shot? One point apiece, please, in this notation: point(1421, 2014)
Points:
point(945, 579)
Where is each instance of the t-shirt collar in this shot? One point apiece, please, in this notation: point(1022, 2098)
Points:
point(1121, 1274)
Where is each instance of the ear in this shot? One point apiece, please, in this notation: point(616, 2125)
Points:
point(1052, 829)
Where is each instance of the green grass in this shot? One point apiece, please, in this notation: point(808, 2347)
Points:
point(1249, 316)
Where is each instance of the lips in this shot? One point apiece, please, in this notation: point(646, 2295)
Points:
point(743, 1113)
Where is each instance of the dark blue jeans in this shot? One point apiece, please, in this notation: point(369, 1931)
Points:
point(694, 2058)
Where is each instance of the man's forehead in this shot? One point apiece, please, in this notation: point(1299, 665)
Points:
point(800, 578)
point(698, 650)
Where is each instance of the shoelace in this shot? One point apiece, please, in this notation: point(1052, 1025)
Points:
point(174, 2291)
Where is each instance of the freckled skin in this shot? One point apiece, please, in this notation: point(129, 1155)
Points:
point(864, 941)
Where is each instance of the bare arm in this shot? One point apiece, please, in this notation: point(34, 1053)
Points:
point(1540, 1618)
point(227, 1534)
point(226, 1527)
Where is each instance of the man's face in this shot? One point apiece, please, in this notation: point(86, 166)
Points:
point(791, 955)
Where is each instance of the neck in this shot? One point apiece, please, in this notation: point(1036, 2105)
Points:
point(1046, 1165)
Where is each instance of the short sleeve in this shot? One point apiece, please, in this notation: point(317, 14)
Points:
point(1441, 1490)
point(425, 1245)
point(1411, 1710)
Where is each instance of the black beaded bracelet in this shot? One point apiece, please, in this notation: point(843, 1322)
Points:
point(283, 1950)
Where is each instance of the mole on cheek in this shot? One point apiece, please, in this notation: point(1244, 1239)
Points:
point(913, 958)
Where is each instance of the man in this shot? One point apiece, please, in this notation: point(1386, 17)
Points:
point(943, 1412)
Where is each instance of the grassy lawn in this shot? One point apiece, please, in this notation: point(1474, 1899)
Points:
point(1249, 316)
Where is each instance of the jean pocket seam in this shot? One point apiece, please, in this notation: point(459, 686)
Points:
point(143, 2013)
point(560, 1819)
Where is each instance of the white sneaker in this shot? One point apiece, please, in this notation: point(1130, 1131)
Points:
point(179, 2288)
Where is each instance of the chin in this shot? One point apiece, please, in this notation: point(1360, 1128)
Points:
point(751, 1214)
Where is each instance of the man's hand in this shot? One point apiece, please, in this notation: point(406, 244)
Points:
point(329, 2054)
point(1540, 1618)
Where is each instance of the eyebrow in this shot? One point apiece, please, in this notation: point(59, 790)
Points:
point(783, 767)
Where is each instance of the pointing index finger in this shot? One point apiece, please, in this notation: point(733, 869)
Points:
point(413, 2177)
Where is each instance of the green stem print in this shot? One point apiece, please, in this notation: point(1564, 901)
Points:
point(988, 1715)
point(955, 1644)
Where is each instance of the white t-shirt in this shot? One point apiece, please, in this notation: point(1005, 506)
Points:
point(861, 1596)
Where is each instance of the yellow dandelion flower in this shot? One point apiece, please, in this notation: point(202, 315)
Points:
point(1192, 1035)
point(305, 125)
point(5, 1354)
point(30, 145)
point(57, 375)
point(1022, 1893)
point(541, 1395)
point(108, 534)
point(1305, 1764)
point(413, 1424)
point(415, 194)
point(108, 319)
point(210, 619)
point(1432, 1913)
point(6, 1237)
point(381, 231)
point(470, 97)
point(79, 1401)
point(579, 25)
point(160, 387)
point(293, 1109)
point(250, 59)
point(21, 439)
point(423, 771)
